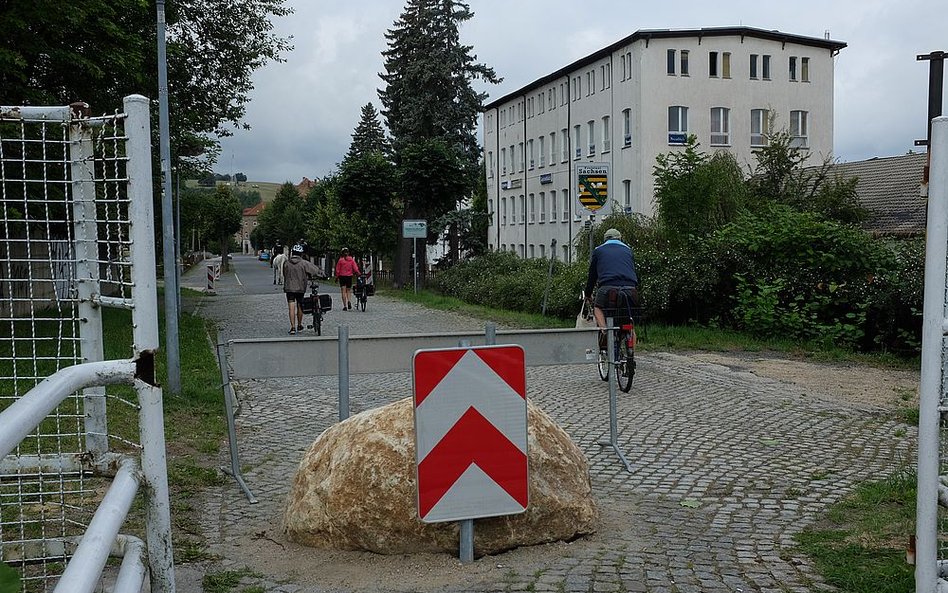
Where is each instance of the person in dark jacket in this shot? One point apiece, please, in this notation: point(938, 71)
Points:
point(296, 273)
point(612, 267)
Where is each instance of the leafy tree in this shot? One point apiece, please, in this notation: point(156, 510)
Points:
point(58, 52)
point(431, 108)
point(284, 220)
point(781, 176)
point(366, 187)
point(368, 137)
point(240, 178)
point(224, 219)
point(697, 193)
point(248, 198)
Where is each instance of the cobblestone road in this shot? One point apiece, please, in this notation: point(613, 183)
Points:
point(727, 468)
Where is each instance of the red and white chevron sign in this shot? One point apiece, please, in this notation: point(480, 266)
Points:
point(470, 432)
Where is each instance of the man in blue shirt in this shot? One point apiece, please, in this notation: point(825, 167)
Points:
point(612, 267)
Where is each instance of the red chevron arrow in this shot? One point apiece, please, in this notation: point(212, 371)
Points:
point(472, 440)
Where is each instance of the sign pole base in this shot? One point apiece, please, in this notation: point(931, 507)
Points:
point(466, 544)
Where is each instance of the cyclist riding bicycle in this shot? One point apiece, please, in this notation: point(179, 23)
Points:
point(612, 267)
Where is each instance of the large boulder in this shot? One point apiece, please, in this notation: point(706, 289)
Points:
point(355, 490)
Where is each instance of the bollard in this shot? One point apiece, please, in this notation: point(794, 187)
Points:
point(210, 278)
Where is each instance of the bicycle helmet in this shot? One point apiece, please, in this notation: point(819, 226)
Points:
point(297, 249)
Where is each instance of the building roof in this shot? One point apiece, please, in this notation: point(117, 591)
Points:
point(647, 34)
point(254, 210)
point(890, 188)
point(304, 186)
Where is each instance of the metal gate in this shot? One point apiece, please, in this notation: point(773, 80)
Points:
point(76, 237)
point(932, 504)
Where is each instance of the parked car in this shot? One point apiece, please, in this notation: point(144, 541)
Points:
point(264, 256)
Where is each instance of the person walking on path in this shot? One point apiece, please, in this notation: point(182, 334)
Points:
point(296, 272)
point(346, 268)
point(612, 267)
point(277, 263)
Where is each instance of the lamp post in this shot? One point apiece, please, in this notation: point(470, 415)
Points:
point(167, 215)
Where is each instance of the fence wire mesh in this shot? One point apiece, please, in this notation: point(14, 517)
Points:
point(64, 246)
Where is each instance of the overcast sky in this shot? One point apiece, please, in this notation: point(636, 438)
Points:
point(303, 111)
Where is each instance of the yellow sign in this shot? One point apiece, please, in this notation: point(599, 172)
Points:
point(593, 181)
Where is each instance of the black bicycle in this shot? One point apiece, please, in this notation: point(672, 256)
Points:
point(316, 304)
point(362, 291)
point(623, 353)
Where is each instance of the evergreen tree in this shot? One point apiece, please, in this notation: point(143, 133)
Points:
point(369, 137)
point(431, 108)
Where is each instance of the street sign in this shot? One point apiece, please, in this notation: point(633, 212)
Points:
point(593, 182)
point(414, 229)
point(470, 432)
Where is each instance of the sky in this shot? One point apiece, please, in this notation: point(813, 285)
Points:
point(303, 111)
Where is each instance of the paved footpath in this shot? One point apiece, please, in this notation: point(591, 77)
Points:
point(727, 468)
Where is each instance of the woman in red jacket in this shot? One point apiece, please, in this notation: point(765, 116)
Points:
point(346, 268)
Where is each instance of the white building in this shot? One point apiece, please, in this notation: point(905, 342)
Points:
point(621, 106)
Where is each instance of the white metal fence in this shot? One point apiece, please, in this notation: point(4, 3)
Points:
point(932, 504)
point(76, 236)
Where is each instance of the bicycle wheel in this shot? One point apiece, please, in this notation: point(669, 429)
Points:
point(362, 302)
point(625, 365)
point(318, 320)
point(603, 365)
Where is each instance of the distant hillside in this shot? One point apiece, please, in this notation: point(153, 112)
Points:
point(267, 189)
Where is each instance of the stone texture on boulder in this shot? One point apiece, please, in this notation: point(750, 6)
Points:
point(355, 490)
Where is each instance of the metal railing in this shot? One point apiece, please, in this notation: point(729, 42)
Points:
point(932, 503)
point(76, 236)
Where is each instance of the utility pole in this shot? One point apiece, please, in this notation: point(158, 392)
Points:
point(936, 84)
point(167, 215)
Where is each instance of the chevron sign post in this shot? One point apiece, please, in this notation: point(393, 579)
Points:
point(470, 432)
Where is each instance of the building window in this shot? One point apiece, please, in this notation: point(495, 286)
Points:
point(624, 67)
point(542, 207)
point(607, 77)
point(565, 217)
point(713, 64)
point(533, 208)
point(513, 160)
point(765, 67)
point(503, 161)
point(606, 136)
point(753, 66)
point(670, 62)
point(532, 250)
point(503, 211)
point(523, 209)
point(627, 194)
point(577, 137)
point(565, 252)
point(805, 69)
point(793, 68)
point(562, 95)
point(531, 153)
point(720, 126)
point(628, 60)
point(522, 155)
point(542, 150)
point(626, 127)
point(677, 124)
point(592, 85)
point(760, 123)
point(522, 255)
point(542, 251)
point(726, 64)
point(592, 137)
point(553, 205)
point(490, 164)
point(490, 212)
point(798, 129)
point(552, 147)
point(565, 138)
point(684, 62)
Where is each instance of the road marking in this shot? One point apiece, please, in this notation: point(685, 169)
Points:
point(239, 283)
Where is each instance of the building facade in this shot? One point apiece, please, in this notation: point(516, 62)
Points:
point(597, 125)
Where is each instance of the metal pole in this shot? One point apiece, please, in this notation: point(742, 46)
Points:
point(157, 498)
point(613, 408)
point(466, 532)
point(167, 215)
point(228, 390)
point(490, 333)
point(930, 385)
point(414, 259)
point(343, 371)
